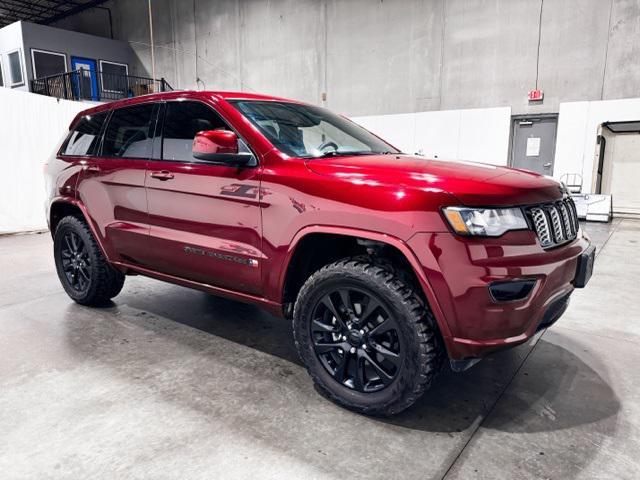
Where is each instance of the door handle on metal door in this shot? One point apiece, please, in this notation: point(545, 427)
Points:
point(162, 175)
point(91, 168)
point(547, 165)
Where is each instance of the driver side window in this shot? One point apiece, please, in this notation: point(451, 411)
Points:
point(129, 132)
point(182, 121)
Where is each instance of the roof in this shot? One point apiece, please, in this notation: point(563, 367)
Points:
point(174, 94)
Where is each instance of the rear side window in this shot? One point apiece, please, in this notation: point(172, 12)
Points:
point(129, 132)
point(181, 123)
point(85, 136)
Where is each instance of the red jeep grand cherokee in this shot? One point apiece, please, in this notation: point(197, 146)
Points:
point(387, 263)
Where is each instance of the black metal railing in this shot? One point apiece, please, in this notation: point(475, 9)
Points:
point(97, 86)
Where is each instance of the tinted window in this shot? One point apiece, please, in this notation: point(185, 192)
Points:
point(129, 132)
point(15, 68)
point(85, 137)
point(181, 123)
point(47, 63)
point(114, 77)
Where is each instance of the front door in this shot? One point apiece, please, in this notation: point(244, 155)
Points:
point(85, 81)
point(534, 143)
point(204, 218)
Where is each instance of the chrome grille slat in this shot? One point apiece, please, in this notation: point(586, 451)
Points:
point(542, 227)
point(566, 221)
point(555, 223)
point(558, 234)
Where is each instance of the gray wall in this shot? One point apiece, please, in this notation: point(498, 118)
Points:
point(74, 44)
point(389, 56)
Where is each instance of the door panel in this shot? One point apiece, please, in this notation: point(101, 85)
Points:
point(112, 184)
point(204, 218)
point(205, 224)
point(534, 144)
point(85, 84)
point(622, 171)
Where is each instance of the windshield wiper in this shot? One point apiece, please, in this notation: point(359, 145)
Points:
point(336, 153)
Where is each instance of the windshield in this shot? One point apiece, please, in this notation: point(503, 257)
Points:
point(309, 132)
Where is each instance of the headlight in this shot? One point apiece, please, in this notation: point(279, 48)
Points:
point(486, 222)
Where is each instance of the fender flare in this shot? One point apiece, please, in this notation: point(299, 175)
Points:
point(83, 210)
point(378, 237)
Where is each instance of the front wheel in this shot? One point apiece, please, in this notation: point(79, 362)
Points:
point(365, 337)
point(83, 270)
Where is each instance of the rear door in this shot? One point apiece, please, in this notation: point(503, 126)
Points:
point(205, 222)
point(112, 184)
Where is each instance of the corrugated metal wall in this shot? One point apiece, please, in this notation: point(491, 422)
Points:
point(30, 128)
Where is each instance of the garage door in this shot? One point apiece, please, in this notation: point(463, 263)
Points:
point(622, 177)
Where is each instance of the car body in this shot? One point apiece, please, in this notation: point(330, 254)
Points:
point(248, 232)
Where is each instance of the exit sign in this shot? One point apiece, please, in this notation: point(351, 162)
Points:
point(535, 95)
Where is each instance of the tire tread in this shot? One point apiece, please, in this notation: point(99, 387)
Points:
point(419, 319)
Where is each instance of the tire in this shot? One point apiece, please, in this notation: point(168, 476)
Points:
point(83, 270)
point(320, 336)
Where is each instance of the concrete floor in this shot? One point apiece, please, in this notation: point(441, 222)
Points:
point(172, 383)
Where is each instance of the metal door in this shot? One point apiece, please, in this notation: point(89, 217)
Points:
point(534, 144)
point(85, 83)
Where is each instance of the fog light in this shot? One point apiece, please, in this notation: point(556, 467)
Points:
point(511, 290)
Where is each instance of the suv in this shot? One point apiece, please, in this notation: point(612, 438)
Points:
point(387, 263)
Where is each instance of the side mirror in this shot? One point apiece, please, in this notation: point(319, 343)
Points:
point(219, 146)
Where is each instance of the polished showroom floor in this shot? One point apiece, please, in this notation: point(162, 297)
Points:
point(172, 383)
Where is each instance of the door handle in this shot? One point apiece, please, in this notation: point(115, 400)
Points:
point(91, 168)
point(162, 175)
point(547, 165)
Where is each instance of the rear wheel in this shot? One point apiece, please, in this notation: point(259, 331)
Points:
point(83, 270)
point(366, 339)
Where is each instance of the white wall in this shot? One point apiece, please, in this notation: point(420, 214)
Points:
point(578, 131)
point(480, 135)
point(31, 126)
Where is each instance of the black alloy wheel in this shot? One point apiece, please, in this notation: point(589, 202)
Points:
point(82, 268)
point(356, 339)
point(368, 340)
point(76, 262)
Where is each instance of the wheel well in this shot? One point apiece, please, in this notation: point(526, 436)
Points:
point(316, 250)
point(59, 210)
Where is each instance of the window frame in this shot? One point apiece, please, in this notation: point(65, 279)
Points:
point(49, 52)
point(22, 68)
point(153, 129)
point(98, 148)
point(2, 71)
point(160, 135)
point(100, 62)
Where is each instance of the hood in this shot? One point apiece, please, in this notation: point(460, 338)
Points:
point(473, 184)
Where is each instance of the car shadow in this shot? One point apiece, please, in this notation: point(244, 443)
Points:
point(455, 402)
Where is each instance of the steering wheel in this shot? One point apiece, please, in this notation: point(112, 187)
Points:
point(328, 144)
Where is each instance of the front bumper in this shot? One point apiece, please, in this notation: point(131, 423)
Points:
point(460, 270)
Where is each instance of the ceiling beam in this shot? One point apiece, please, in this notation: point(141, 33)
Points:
point(26, 7)
point(72, 11)
point(18, 14)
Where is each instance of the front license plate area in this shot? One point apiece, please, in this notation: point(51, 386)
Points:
point(585, 267)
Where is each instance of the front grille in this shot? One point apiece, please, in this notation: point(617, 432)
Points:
point(555, 223)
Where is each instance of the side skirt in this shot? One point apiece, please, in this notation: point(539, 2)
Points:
point(272, 307)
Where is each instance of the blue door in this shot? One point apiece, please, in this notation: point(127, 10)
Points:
point(85, 81)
